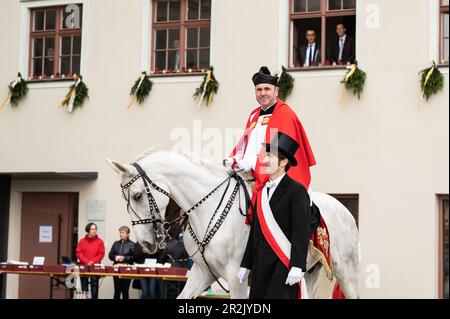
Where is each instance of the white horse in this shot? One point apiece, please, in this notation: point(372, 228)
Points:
point(187, 180)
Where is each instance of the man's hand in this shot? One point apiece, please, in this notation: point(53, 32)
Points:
point(244, 165)
point(242, 274)
point(228, 162)
point(294, 276)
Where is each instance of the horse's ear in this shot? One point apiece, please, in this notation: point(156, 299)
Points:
point(119, 168)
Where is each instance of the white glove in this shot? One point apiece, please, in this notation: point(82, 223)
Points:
point(294, 276)
point(228, 162)
point(244, 165)
point(242, 274)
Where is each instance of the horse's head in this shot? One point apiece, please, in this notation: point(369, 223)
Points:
point(146, 201)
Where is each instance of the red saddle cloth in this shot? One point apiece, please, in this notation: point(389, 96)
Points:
point(320, 247)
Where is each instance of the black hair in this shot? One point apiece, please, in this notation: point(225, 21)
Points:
point(282, 157)
point(88, 227)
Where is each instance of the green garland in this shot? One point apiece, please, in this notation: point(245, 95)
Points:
point(431, 81)
point(354, 80)
point(208, 88)
point(141, 89)
point(285, 84)
point(18, 89)
point(78, 92)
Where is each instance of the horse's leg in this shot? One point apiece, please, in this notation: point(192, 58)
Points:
point(347, 276)
point(199, 279)
point(237, 290)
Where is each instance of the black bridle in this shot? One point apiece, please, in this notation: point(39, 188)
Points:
point(155, 217)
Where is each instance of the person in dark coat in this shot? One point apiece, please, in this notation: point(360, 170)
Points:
point(343, 48)
point(276, 271)
point(122, 252)
point(149, 286)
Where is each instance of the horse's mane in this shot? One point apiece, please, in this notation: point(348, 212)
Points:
point(204, 163)
point(192, 157)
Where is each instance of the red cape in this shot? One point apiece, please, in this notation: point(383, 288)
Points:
point(284, 120)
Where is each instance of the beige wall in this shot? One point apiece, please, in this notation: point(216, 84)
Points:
point(384, 147)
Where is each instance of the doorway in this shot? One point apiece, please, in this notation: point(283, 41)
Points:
point(48, 229)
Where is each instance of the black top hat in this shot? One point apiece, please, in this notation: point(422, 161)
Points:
point(284, 144)
point(264, 76)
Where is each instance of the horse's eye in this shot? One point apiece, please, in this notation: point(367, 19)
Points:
point(137, 196)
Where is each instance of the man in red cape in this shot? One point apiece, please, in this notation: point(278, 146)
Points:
point(264, 122)
point(272, 116)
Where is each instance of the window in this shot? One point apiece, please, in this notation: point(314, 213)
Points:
point(55, 41)
point(443, 247)
point(351, 202)
point(322, 32)
point(181, 36)
point(444, 30)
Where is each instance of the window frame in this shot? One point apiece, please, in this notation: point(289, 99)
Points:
point(182, 25)
point(323, 14)
point(56, 34)
point(443, 9)
point(441, 255)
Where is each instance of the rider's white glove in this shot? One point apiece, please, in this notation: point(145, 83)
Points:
point(294, 276)
point(228, 162)
point(242, 274)
point(244, 165)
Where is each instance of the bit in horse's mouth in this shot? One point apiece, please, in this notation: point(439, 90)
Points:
point(148, 247)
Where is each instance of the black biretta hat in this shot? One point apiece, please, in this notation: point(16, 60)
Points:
point(264, 76)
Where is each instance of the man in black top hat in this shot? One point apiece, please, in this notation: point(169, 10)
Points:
point(278, 243)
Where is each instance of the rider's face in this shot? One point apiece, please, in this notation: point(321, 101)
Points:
point(266, 94)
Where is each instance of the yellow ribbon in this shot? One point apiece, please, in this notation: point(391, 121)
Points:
point(134, 97)
point(71, 95)
point(5, 101)
point(427, 77)
point(350, 73)
point(71, 92)
point(347, 77)
point(430, 72)
point(208, 78)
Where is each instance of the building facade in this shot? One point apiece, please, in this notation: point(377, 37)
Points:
point(385, 155)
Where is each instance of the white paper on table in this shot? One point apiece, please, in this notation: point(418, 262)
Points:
point(39, 261)
point(150, 262)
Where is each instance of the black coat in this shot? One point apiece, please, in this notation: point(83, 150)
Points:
point(291, 209)
point(348, 53)
point(122, 248)
point(304, 52)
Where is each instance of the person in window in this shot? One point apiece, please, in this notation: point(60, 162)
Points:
point(176, 63)
point(310, 53)
point(343, 48)
point(90, 251)
point(122, 252)
point(49, 62)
